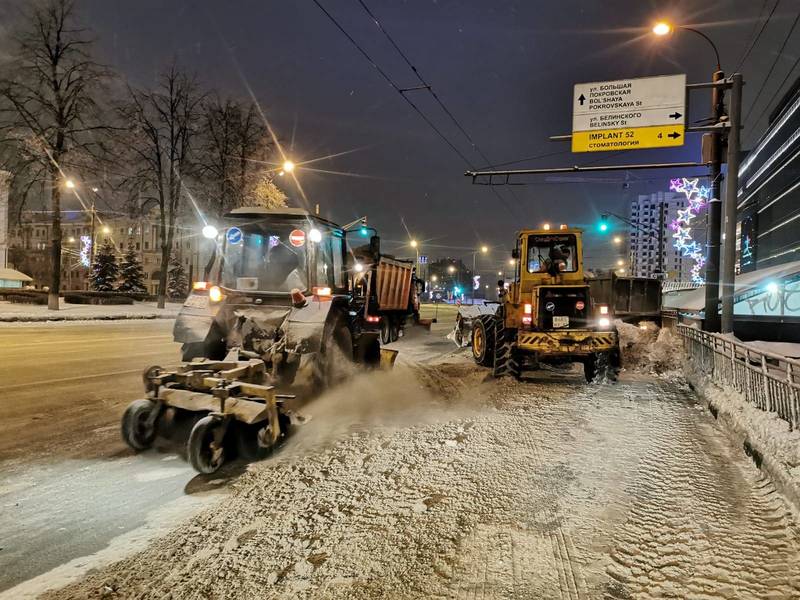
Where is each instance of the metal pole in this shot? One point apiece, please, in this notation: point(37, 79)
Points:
point(714, 212)
point(731, 189)
point(471, 283)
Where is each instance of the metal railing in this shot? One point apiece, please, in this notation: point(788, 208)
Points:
point(768, 381)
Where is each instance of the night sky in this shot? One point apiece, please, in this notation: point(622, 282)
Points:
point(504, 68)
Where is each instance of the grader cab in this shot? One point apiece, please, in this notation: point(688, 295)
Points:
point(546, 314)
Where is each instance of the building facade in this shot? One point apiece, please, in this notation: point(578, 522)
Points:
point(768, 204)
point(29, 246)
point(652, 249)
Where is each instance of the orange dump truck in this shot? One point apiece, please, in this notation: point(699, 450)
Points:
point(391, 286)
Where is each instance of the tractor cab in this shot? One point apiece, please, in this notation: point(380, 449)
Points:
point(273, 252)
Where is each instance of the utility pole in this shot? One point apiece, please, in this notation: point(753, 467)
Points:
point(714, 209)
point(731, 190)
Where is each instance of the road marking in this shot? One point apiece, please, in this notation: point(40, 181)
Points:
point(66, 379)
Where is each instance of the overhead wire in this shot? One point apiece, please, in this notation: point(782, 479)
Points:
point(772, 67)
point(754, 42)
point(429, 88)
point(778, 90)
point(401, 91)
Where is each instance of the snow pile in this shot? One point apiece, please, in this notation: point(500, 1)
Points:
point(648, 348)
point(766, 436)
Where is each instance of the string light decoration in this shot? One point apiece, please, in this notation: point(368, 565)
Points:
point(86, 250)
point(697, 197)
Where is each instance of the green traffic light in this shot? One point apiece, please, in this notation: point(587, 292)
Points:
point(603, 226)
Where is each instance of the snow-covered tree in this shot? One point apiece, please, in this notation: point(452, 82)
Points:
point(177, 282)
point(131, 273)
point(266, 194)
point(105, 268)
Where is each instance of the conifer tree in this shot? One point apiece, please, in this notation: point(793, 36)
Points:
point(131, 273)
point(178, 283)
point(105, 268)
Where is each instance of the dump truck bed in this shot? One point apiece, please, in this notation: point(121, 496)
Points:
point(393, 286)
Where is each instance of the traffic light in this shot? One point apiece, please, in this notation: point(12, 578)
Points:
point(602, 225)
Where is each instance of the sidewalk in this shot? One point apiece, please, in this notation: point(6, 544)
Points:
point(11, 312)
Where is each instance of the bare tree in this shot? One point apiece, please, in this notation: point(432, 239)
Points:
point(162, 123)
point(48, 114)
point(233, 161)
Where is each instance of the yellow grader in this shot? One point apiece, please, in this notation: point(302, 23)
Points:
point(546, 314)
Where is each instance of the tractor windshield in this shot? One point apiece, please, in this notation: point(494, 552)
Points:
point(552, 254)
point(265, 257)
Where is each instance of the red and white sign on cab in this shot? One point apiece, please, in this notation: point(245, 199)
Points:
point(297, 238)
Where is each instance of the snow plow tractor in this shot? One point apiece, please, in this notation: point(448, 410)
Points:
point(285, 305)
point(546, 314)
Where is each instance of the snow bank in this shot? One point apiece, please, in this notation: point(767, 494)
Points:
point(11, 312)
point(764, 435)
point(648, 348)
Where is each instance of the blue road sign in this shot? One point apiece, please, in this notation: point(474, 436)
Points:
point(234, 235)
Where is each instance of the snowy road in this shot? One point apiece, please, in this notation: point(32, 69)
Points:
point(461, 488)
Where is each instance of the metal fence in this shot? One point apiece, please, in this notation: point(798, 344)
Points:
point(768, 381)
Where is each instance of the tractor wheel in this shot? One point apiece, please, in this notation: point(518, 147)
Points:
point(254, 442)
point(206, 453)
point(483, 340)
point(600, 367)
point(332, 362)
point(386, 331)
point(505, 363)
point(137, 431)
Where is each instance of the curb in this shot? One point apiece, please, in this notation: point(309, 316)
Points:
point(51, 318)
point(752, 444)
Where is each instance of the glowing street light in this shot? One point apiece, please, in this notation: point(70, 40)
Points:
point(70, 184)
point(210, 232)
point(662, 28)
point(546, 226)
point(484, 249)
point(617, 239)
point(413, 243)
point(511, 262)
point(434, 278)
point(288, 166)
point(451, 269)
point(106, 229)
point(620, 262)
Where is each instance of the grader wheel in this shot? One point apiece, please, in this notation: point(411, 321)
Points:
point(483, 340)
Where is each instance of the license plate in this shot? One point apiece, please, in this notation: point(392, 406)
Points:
point(560, 322)
point(194, 301)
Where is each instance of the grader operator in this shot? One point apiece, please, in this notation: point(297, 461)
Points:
point(547, 314)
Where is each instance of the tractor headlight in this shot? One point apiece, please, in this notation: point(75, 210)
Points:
point(215, 294)
point(604, 322)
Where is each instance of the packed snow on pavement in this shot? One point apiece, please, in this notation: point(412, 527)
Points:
point(433, 481)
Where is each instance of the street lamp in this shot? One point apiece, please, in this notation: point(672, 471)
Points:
point(70, 184)
point(288, 166)
point(617, 239)
point(712, 275)
point(434, 278)
point(484, 249)
point(106, 229)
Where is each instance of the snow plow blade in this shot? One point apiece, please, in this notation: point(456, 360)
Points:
point(388, 357)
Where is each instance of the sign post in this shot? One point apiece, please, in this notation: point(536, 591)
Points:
point(629, 114)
